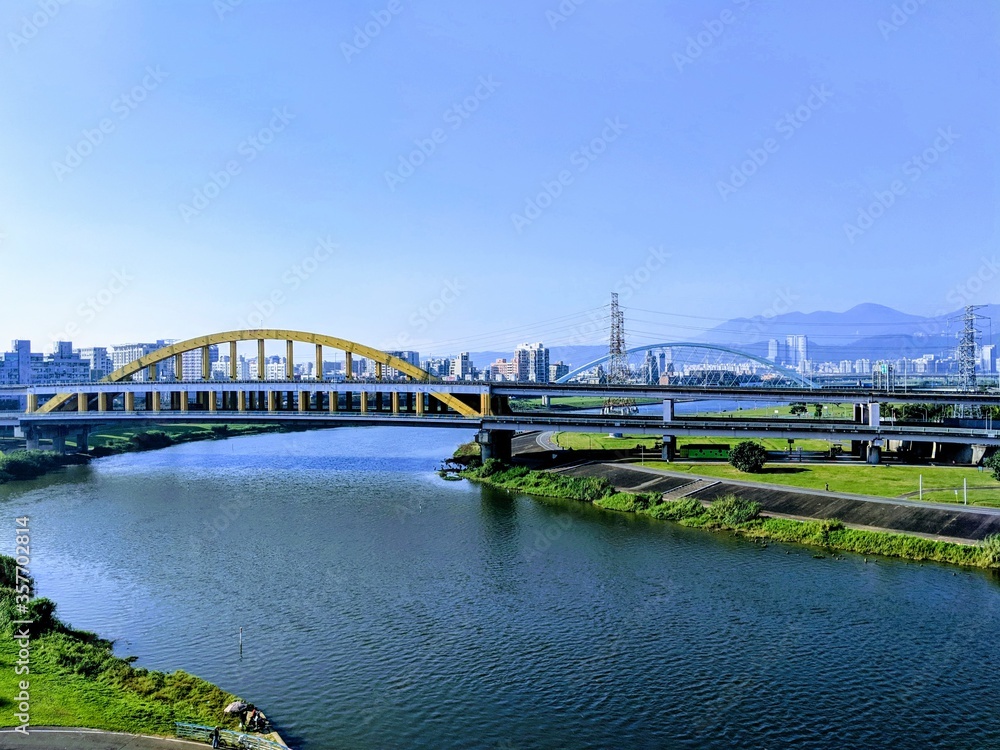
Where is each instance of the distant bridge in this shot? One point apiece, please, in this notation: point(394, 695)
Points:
point(417, 399)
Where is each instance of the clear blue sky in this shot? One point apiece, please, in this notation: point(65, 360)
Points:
point(440, 251)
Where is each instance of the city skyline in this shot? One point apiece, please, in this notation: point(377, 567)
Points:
point(431, 156)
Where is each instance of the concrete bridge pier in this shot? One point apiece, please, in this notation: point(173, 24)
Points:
point(31, 437)
point(669, 450)
point(83, 440)
point(874, 452)
point(495, 444)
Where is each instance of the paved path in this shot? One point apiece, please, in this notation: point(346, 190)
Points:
point(58, 738)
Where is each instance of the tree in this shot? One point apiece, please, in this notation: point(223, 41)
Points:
point(797, 408)
point(818, 411)
point(993, 464)
point(748, 457)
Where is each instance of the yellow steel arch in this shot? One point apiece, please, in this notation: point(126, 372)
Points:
point(271, 334)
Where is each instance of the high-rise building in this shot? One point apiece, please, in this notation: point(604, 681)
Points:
point(775, 351)
point(987, 358)
point(123, 354)
point(461, 367)
point(558, 370)
point(531, 362)
point(191, 363)
point(797, 350)
point(650, 372)
point(409, 357)
point(99, 359)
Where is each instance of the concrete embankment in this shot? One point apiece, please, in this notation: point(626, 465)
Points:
point(939, 521)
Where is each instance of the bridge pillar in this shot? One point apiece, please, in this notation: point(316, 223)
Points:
point(59, 441)
point(668, 412)
point(81, 402)
point(232, 361)
point(395, 402)
point(31, 439)
point(102, 401)
point(156, 401)
point(272, 401)
point(241, 401)
point(348, 367)
point(334, 401)
point(484, 404)
point(419, 399)
point(261, 360)
point(874, 452)
point(213, 401)
point(363, 402)
point(303, 401)
point(32, 403)
point(129, 401)
point(669, 450)
point(83, 441)
point(546, 401)
point(289, 360)
point(184, 401)
point(873, 415)
point(319, 363)
point(495, 444)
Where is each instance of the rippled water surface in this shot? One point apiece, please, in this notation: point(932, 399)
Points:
point(383, 607)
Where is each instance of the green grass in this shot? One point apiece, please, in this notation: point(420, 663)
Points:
point(588, 441)
point(884, 480)
point(76, 681)
point(183, 432)
point(734, 514)
point(832, 411)
point(566, 402)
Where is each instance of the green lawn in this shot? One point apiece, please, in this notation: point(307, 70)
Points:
point(182, 431)
point(587, 441)
point(885, 480)
point(832, 411)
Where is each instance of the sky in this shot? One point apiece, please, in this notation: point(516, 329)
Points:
point(451, 175)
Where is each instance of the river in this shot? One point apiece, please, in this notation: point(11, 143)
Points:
point(383, 607)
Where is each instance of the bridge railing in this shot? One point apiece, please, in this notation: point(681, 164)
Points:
point(228, 738)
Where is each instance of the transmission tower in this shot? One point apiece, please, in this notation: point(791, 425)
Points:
point(968, 339)
point(618, 372)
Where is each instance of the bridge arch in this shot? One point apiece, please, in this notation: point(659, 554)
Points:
point(175, 350)
point(784, 371)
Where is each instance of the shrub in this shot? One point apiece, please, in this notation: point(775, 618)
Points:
point(748, 457)
point(147, 441)
point(490, 467)
point(993, 464)
point(991, 549)
point(676, 510)
point(732, 510)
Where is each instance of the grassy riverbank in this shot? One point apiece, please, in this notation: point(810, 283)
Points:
point(735, 515)
point(76, 681)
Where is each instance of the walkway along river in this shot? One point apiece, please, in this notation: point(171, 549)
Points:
point(385, 607)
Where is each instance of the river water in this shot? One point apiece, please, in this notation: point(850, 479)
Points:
point(383, 607)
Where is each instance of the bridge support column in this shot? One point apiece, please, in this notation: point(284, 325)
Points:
point(83, 441)
point(419, 397)
point(484, 404)
point(232, 361)
point(303, 401)
point(363, 402)
point(59, 441)
point(102, 402)
point(184, 401)
point(213, 401)
point(873, 415)
point(289, 360)
point(874, 452)
point(334, 401)
point(261, 360)
point(272, 401)
point(669, 450)
point(319, 362)
point(348, 367)
point(241, 401)
point(32, 403)
point(31, 439)
point(495, 444)
point(546, 400)
point(668, 410)
point(156, 401)
point(81, 402)
point(395, 402)
point(129, 401)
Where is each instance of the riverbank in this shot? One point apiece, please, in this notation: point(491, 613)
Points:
point(736, 515)
point(20, 465)
point(74, 680)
